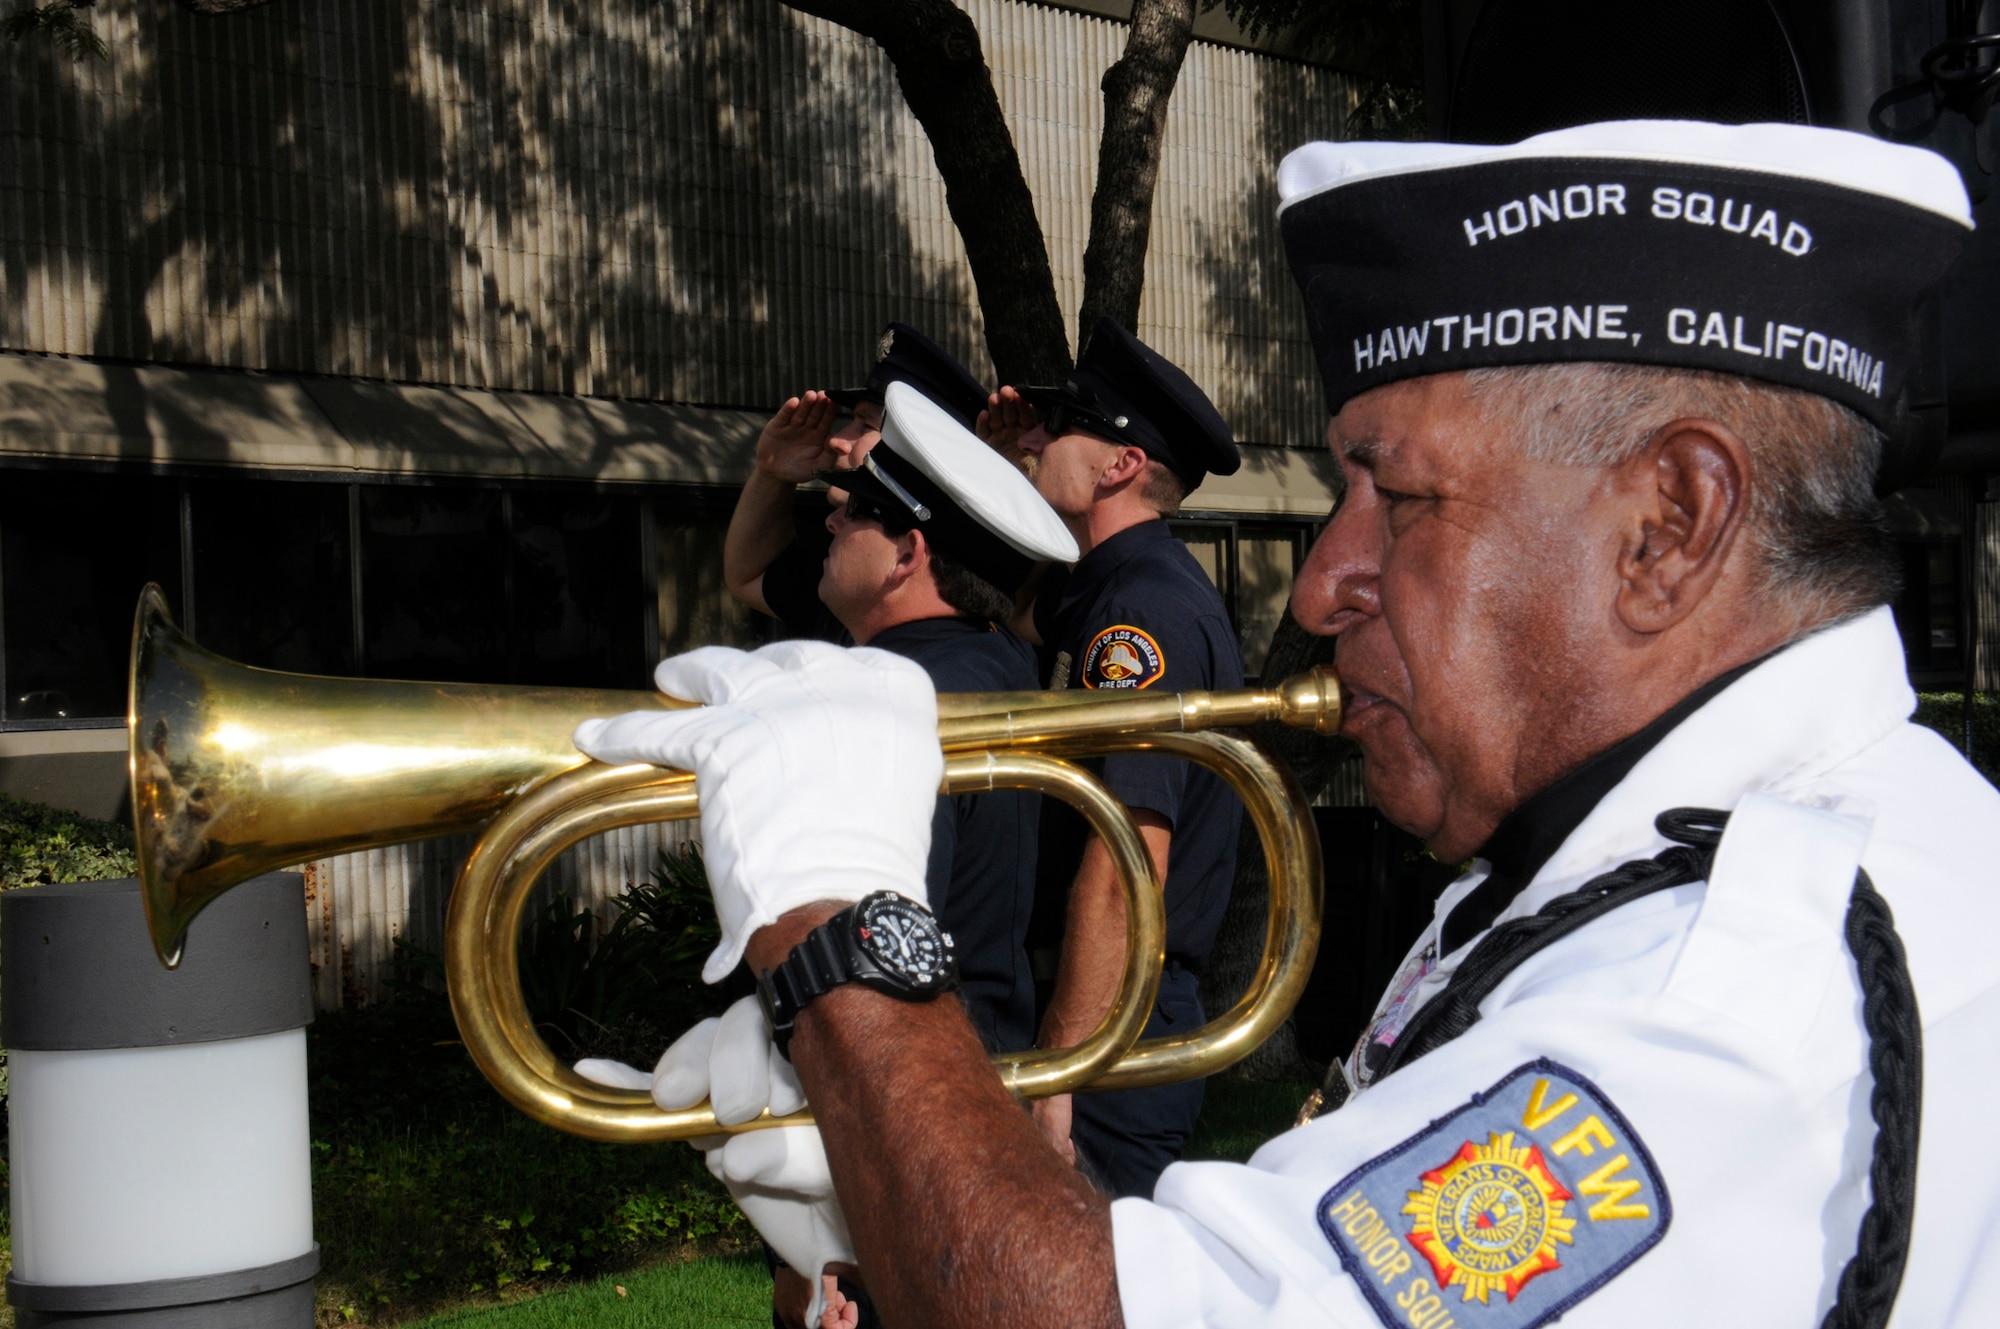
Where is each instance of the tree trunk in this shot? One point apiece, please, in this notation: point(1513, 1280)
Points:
point(942, 71)
point(1136, 92)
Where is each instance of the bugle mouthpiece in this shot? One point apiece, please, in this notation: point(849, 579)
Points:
point(1311, 701)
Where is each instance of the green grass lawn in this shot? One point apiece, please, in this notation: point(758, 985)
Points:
point(690, 1295)
point(1235, 1120)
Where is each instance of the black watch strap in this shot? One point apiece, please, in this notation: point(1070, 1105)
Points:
point(833, 953)
point(815, 967)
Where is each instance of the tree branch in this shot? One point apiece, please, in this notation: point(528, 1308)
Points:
point(942, 71)
point(1136, 92)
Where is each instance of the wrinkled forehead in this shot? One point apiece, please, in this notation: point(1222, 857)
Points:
point(1437, 417)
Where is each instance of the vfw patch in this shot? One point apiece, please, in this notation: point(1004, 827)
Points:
point(1122, 657)
point(1506, 1213)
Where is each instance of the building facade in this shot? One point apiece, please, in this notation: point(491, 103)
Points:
point(431, 341)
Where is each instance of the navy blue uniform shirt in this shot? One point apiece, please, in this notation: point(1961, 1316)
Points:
point(791, 588)
point(981, 875)
point(1138, 612)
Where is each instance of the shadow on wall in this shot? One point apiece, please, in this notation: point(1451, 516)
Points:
point(643, 200)
point(1249, 292)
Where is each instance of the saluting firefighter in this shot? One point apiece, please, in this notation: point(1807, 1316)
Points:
point(769, 561)
point(1119, 445)
point(931, 535)
point(934, 537)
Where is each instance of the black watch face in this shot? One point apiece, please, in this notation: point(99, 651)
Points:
point(903, 939)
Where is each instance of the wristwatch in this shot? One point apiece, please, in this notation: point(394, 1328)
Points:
point(885, 941)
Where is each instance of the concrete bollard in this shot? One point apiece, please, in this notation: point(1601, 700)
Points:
point(160, 1150)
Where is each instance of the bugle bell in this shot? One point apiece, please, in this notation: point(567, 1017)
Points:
point(236, 771)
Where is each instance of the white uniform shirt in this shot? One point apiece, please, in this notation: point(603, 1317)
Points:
point(1710, 1167)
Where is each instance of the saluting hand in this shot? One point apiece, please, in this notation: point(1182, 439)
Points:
point(795, 441)
point(1008, 415)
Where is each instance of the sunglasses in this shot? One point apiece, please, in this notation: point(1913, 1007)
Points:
point(860, 508)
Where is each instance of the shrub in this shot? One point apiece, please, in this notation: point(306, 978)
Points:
point(1945, 712)
point(625, 990)
point(42, 845)
point(429, 1189)
point(622, 991)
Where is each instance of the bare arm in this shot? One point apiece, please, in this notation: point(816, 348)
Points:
point(961, 1214)
point(791, 447)
point(1093, 959)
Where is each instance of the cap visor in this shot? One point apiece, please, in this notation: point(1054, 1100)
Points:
point(1043, 398)
point(862, 482)
point(849, 396)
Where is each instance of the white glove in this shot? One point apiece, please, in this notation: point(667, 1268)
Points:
point(818, 770)
point(779, 1176)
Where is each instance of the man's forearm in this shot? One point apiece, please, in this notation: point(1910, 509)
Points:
point(1093, 949)
point(760, 529)
point(960, 1213)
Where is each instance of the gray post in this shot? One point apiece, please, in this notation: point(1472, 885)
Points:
point(159, 1146)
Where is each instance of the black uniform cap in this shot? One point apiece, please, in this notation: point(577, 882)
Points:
point(1129, 393)
point(1801, 256)
point(906, 355)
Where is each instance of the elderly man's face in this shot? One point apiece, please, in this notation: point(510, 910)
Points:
point(1471, 591)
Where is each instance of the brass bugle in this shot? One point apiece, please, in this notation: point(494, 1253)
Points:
point(236, 771)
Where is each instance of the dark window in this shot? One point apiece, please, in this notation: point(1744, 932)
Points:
point(1928, 610)
point(485, 586)
point(435, 564)
point(74, 552)
point(694, 606)
point(271, 574)
point(578, 591)
point(1252, 563)
point(545, 586)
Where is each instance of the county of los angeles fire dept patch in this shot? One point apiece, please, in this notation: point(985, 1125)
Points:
point(1503, 1214)
point(1122, 657)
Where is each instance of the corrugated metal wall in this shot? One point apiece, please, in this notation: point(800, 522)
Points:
point(359, 905)
point(716, 202)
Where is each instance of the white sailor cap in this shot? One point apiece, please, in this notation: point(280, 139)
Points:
point(1802, 256)
point(931, 473)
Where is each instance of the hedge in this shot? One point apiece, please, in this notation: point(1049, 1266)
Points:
point(42, 845)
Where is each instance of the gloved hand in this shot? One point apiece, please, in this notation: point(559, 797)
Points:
point(818, 769)
point(779, 1176)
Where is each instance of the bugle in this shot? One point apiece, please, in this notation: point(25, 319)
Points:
point(236, 771)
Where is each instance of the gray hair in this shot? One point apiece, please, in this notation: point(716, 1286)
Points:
point(1820, 534)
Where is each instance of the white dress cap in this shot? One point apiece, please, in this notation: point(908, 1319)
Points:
point(979, 480)
point(1909, 175)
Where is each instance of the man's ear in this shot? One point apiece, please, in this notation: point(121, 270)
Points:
point(913, 555)
point(1129, 464)
point(1691, 490)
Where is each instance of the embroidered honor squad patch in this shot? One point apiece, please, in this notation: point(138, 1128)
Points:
point(1122, 657)
point(1503, 1214)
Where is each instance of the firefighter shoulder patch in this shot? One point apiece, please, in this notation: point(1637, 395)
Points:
point(1122, 656)
point(1505, 1213)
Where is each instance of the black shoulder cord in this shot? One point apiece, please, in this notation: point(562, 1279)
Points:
point(1869, 1283)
